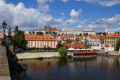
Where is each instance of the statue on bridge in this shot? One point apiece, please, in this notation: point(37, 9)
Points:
point(9, 31)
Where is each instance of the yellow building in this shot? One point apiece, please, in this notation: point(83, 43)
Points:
point(111, 39)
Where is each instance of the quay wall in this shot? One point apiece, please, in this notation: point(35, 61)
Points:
point(113, 53)
point(39, 55)
point(36, 55)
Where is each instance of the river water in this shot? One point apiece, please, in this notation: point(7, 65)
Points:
point(97, 68)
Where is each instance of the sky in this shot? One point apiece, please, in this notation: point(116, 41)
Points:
point(100, 15)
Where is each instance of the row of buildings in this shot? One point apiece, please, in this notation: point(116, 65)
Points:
point(59, 31)
point(96, 41)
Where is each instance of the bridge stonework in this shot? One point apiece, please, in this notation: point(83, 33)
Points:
point(4, 66)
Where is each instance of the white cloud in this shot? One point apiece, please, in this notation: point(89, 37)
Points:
point(62, 13)
point(102, 2)
point(75, 14)
point(29, 18)
point(80, 26)
point(82, 22)
point(112, 30)
point(43, 6)
point(64, 0)
point(71, 22)
point(102, 24)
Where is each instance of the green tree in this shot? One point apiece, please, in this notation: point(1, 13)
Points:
point(62, 51)
point(80, 34)
point(59, 45)
point(33, 32)
point(18, 40)
point(68, 41)
point(30, 33)
point(48, 48)
point(46, 32)
point(54, 33)
point(118, 44)
point(44, 47)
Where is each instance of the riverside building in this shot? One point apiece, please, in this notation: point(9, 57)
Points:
point(111, 39)
point(40, 41)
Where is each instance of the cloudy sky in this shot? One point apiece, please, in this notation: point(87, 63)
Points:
point(101, 15)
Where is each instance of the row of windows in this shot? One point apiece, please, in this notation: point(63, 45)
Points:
point(110, 41)
point(40, 45)
point(41, 41)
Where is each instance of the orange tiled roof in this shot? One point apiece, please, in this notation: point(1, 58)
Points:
point(78, 46)
point(108, 45)
point(54, 36)
point(97, 37)
point(79, 37)
point(66, 37)
point(75, 46)
point(40, 38)
point(115, 35)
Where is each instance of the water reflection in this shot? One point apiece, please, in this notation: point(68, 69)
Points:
point(100, 67)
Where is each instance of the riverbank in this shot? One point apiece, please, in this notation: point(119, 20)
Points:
point(39, 56)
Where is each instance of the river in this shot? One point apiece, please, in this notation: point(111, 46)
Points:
point(97, 68)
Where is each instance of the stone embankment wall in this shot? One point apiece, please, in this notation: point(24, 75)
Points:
point(39, 55)
point(113, 53)
point(36, 55)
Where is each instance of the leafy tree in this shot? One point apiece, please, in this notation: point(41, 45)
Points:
point(67, 47)
point(44, 47)
point(118, 44)
point(54, 33)
point(48, 48)
point(33, 32)
point(68, 41)
point(30, 33)
point(62, 51)
point(80, 34)
point(18, 40)
point(59, 45)
point(104, 33)
point(46, 32)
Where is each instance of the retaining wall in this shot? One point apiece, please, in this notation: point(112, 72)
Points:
point(113, 53)
point(36, 55)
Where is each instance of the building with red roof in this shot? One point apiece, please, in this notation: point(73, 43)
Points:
point(40, 41)
point(111, 39)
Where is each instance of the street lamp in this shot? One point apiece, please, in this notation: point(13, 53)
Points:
point(4, 27)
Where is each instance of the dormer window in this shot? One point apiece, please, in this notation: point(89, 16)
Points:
point(31, 38)
point(109, 35)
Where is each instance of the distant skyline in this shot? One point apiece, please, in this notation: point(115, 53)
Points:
point(100, 15)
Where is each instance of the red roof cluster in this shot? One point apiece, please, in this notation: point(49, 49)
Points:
point(40, 38)
point(66, 37)
point(114, 35)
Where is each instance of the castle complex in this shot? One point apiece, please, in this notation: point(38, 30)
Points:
point(59, 31)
